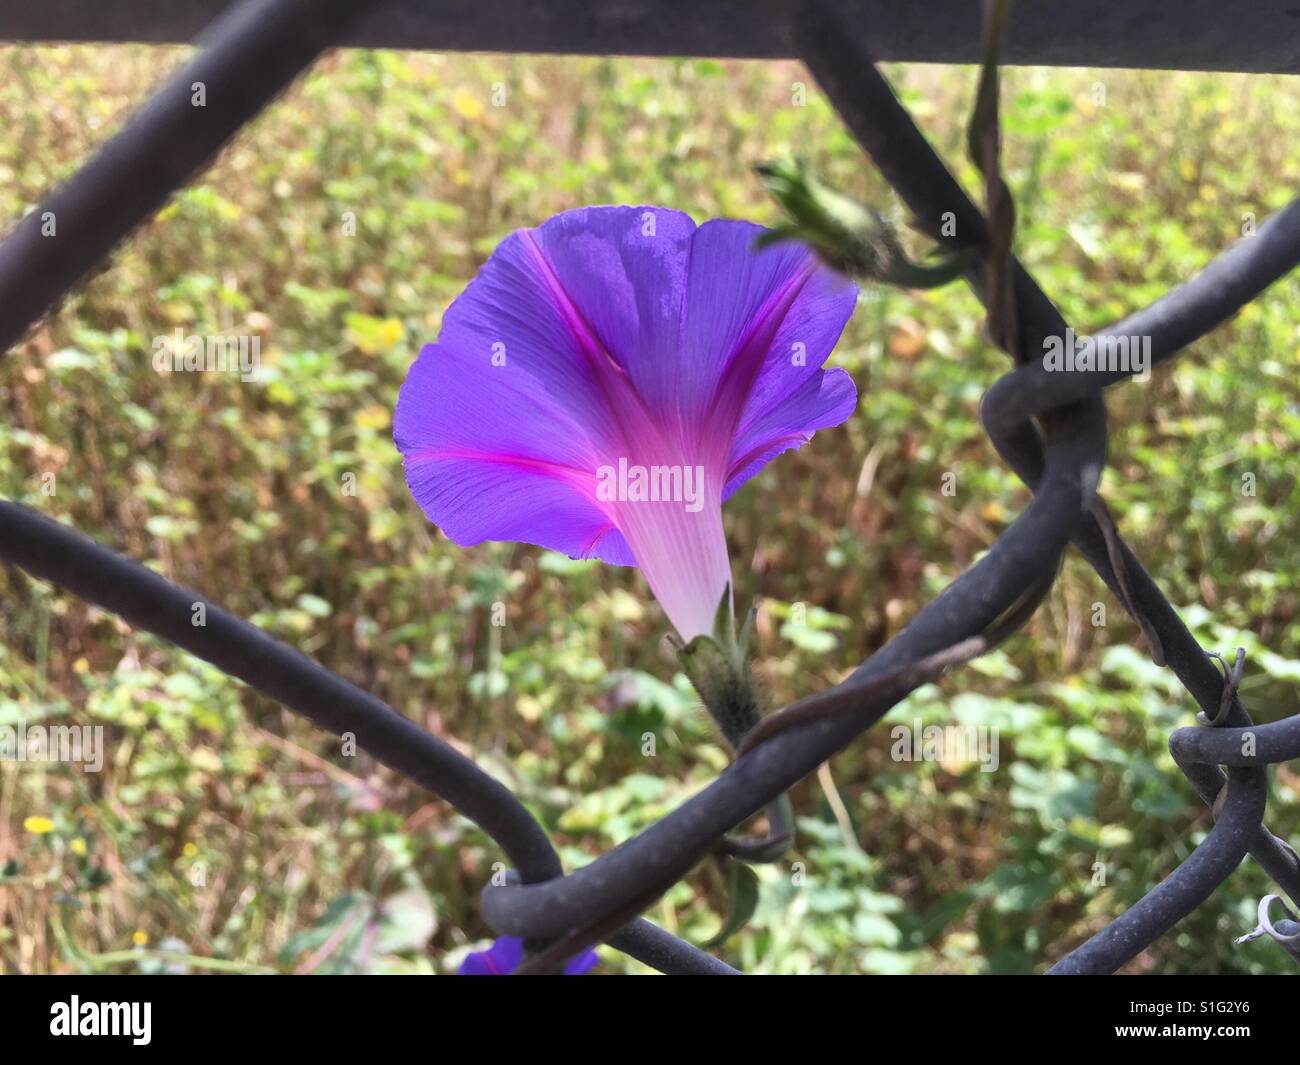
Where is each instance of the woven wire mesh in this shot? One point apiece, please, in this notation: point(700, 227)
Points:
point(1051, 429)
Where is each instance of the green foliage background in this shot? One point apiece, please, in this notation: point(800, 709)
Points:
point(225, 834)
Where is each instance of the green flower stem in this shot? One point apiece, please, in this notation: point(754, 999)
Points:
point(718, 667)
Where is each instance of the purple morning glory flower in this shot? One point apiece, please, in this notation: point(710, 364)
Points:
point(609, 378)
point(504, 956)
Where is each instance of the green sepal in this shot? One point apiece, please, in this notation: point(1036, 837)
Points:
point(717, 667)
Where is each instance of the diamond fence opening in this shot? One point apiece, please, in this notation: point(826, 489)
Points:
point(1051, 429)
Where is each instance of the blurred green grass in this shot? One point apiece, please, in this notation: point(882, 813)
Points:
point(223, 828)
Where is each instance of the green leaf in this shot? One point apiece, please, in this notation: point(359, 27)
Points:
point(314, 605)
point(742, 891)
point(406, 922)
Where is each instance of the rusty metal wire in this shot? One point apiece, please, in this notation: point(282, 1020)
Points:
point(1050, 429)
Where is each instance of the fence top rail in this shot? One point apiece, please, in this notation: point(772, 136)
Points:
point(1150, 34)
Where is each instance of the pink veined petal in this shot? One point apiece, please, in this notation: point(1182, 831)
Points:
point(758, 325)
point(623, 273)
point(589, 305)
point(489, 456)
point(788, 422)
point(501, 959)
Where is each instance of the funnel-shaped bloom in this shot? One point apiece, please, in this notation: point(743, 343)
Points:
point(609, 378)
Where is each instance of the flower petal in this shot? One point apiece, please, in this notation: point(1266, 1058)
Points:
point(758, 326)
point(622, 335)
point(582, 964)
point(490, 455)
point(501, 959)
point(505, 955)
point(828, 398)
point(588, 304)
point(621, 275)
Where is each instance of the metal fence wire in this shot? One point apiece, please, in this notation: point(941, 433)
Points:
point(1050, 429)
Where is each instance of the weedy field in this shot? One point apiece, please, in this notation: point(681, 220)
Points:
point(224, 834)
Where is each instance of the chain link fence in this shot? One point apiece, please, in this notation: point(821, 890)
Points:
point(1050, 428)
